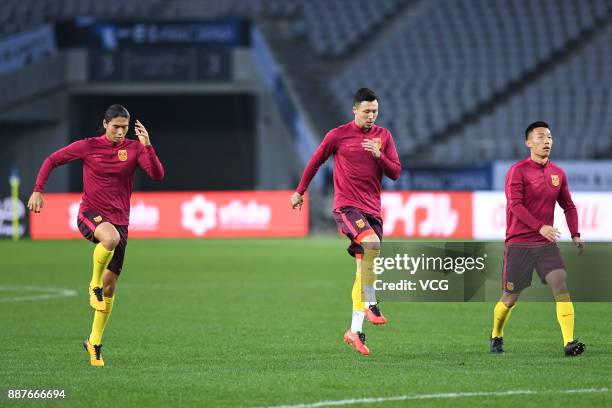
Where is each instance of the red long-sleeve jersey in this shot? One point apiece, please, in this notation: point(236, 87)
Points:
point(357, 174)
point(108, 173)
point(532, 189)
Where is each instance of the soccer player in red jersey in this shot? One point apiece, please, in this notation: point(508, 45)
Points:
point(109, 164)
point(533, 186)
point(362, 152)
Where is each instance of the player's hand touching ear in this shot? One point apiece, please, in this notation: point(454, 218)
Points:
point(142, 133)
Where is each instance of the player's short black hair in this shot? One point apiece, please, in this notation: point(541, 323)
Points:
point(534, 125)
point(364, 94)
point(116, 111)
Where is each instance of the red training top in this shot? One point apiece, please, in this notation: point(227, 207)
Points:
point(108, 173)
point(357, 174)
point(532, 189)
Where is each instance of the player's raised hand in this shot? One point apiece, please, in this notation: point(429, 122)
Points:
point(579, 244)
point(297, 200)
point(36, 202)
point(142, 133)
point(369, 146)
point(550, 233)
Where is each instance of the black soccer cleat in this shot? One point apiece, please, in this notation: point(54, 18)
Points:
point(574, 348)
point(497, 345)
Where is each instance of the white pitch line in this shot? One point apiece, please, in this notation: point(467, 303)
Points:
point(45, 293)
point(441, 396)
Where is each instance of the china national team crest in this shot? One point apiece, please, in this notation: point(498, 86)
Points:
point(122, 154)
point(509, 286)
point(98, 218)
point(555, 180)
point(377, 142)
point(360, 223)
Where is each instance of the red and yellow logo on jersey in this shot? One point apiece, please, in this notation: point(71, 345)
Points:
point(360, 223)
point(509, 286)
point(122, 154)
point(377, 142)
point(98, 218)
point(554, 178)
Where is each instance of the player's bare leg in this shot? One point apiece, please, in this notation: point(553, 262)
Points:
point(509, 299)
point(110, 279)
point(557, 279)
point(108, 238)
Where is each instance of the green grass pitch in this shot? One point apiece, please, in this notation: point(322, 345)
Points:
point(258, 323)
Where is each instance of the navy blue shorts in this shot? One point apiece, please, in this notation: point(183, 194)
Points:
point(357, 225)
point(88, 221)
point(521, 258)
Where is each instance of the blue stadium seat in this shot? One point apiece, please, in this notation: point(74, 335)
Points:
point(451, 58)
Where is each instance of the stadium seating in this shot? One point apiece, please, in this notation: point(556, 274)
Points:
point(439, 66)
point(576, 100)
point(447, 59)
point(262, 8)
point(334, 27)
point(21, 15)
point(331, 27)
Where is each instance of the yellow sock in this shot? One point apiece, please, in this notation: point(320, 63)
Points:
point(565, 316)
point(367, 266)
point(501, 313)
point(101, 259)
point(357, 294)
point(368, 276)
point(100, 320)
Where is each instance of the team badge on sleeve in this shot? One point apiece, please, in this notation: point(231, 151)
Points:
point(122, 154)
point(509, 286)
point(360, 223)
point(555, 180)
point(98, 218)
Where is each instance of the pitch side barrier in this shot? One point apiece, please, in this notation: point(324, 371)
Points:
point(481, 215)
point(428, 215)
point(228, 214)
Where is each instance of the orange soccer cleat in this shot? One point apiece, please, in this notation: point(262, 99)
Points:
point(374, 315)
point(95, 353)
point(96, 300)
point(357, 340)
